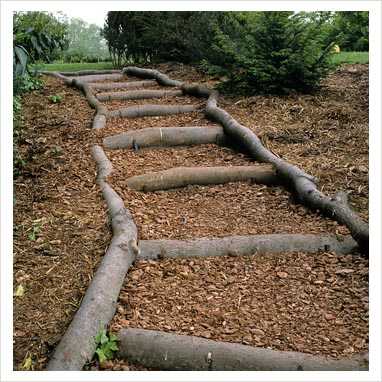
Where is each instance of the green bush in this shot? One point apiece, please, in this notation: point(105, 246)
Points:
point(270, 52)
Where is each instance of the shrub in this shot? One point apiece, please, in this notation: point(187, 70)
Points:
point(271, 52)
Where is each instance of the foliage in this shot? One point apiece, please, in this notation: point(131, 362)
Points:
point(69, 67)
point(352, 29)
point(85, 43)
point(271, 52)
point(55, 98)
point(106, 345)
point(41, 34)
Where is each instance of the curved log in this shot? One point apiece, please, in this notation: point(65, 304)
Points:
point(138, 94)
point(185, 176)
point(166, 137)
point(246, 245)
point(161, 78)
point(98, 306)
point(302, 184)
point(68, 81)
point(122, 85)
point(167, 351)
point(151, 110)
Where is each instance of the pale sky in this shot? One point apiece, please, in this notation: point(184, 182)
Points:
point(91, 16)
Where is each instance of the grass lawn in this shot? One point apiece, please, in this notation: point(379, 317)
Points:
point(350, 58)
point(75, 66)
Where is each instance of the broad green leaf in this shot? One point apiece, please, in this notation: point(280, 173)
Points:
point(113, 337)
point(101, 355)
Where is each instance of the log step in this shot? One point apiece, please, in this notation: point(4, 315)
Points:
point(122, 85)
point(151, 110)
point(138, 94)
point(99, 77)
point(166, 137)
point(165, 351)
point(89, 72)
point(185, 176)
point(245, 245)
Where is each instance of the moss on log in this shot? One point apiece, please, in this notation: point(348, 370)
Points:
point(185, 176)
point(166, 137)
point(165, 351)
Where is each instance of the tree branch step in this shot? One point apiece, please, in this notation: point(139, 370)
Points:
point(138, 94)
point(184, 176)
point(166, 137)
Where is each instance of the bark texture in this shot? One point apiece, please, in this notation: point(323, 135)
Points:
point(121, 85)
point(99, 77)
point(245, 245)
point(167, 351)
point(151, 110)
point(98, 306)
point(166, 137)
point(184, 176)
point(138, 94)
point(161, 78)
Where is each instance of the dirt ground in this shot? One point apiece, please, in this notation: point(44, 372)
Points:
point(61, 226)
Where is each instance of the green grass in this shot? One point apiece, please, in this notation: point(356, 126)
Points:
point(57, 67)
point(350, 58)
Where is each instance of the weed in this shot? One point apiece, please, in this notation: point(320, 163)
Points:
point(55, 98)
point(106, 345)
point(35, 230)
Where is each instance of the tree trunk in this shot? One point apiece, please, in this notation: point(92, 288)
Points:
point(99, 77)
point(246, 245)
point(151, 110)
point(185, 176)
point(138, 94)
point(98, 306)
point(166, 137)
point(121, 85)
point(161, 78)
point(165, 351)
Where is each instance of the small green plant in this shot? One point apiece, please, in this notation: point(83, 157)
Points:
point(55, 98)
point(106, 345)
point(35, 230)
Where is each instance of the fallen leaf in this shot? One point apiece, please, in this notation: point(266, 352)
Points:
point(19, 291)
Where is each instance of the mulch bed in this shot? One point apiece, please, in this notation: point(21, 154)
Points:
point(56, 198)
point(292, 301)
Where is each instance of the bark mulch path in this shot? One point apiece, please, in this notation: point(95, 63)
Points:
point(290, 302)
point(60, 221)
point(295, 301)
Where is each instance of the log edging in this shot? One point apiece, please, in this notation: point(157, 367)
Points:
point(167, 351)
point(245, 245)
point(98, 306)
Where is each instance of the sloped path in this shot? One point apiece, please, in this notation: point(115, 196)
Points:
point(124, 248)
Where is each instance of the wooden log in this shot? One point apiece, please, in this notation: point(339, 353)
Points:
point(66, 80)
point(99, 77)
point(303, 184)
point(98, 306)
point(89, 72)
point(151, 110)
point(166, 137)
point(246, 245)
point(165, 351)
point(161, 78)
point(185, 176)
point(122, 85)
point(138, 94)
